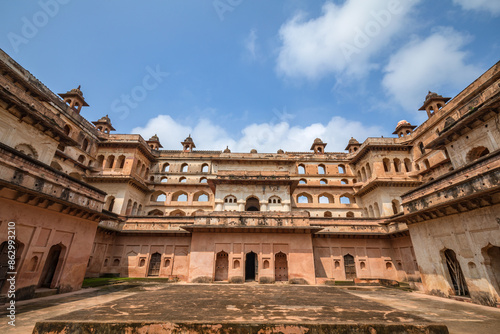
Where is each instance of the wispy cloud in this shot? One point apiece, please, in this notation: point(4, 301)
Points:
point(342, 40)
point(251, 44)
point(492, 6)
point(437, 63)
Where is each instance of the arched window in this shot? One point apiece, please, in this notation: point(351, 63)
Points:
point(158, 196)
point(304, 198)
point(395, 206)
point(301, 169)
point(204, 168)
point(85, 144)
point(110, 203)
point(100, 161)
point(344, 199)
point(349, 214)
point(387, 165)
point(81, 159)
point(182, 179)
point(427, 164)
point(155, 212)
point(376, 210)
point(28, 150)
point(397, 165)
point(344, 181)
point(325, 198)
point(203, 180)
point(166, 167)
point(274, 200)
point(321, 169)
point(109, 161)
point(179, 196)
point(120, 162)
point(201, 197)
point(476, 153)
point(323, 181)
point(67, 130)
point(252, 204)
point(302, 181)
point(421, 147)
point(341, 169)
point(407, 163)
point(164, 180)
point(184, 168)
point(368, 171)
point(230, 199)
point(327, 214)
point(177, 213)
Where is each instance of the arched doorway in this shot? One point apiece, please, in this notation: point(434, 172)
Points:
point(221, 266)
point(154, 264)
point(493, 266)
point(252, 204)
point(251, 266)
point(350, 267)
point(456, 274)
point(280, 267)
point(50, 267)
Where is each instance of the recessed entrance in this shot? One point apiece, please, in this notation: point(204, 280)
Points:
point(51, 264)
point(252, 204)
point(154, 265)
point(493, 266)
point(221, 266)
point(350, 267)
point(251, 266)
point(280, 267)
point(456, 274)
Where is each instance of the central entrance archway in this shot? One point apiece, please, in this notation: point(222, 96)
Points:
point(253, 204)
point(251, 266)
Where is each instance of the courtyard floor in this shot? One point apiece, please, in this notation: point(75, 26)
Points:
point(153, 302)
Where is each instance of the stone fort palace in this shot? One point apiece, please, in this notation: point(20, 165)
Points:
point(421, 206)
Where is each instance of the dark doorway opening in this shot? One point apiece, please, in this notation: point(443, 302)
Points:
point(456, 274)
point(280, 267)
point(350, 267)
point(250, 266)
point(221, 266)
point(154, 265)
point(252, 204)
point(51, 264)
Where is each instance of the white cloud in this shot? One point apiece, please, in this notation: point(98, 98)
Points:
point(251, 44)
point(341, 40)
point(493, 6)
point(264, 137)
point(436, 63)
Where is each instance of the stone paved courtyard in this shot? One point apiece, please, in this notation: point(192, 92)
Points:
point(252, 303)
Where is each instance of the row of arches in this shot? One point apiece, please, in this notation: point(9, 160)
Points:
point(133, 208)
point(271, 200)
point(180, 196)
point(396, 165)
point(85, 146)
point(324, 181)
point(324, 198)
point(184, 168)
point(373, 210)
point(182, 179)
point(251, 266)
point(173, 213)
point(321, 169)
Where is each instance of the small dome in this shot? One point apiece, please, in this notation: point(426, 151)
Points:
point(188, 139)
point(227, 150)
point(280, 151)
point(77, 91)
point(154, 138)
point(353, 141)
point(403, 122)
point(104, 119)
point(318, 141)
point(253, 150)
point(431, 95)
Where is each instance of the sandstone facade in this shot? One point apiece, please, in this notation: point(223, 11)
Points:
point(420, 207)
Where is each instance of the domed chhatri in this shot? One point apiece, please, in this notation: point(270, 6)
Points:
point(353, 145)
point(227, 150)
point(104, 125)
point(403, 128)
point(318, 146)
point(188, 144)
point(154, 142)
point(74, 98)
point(253, 151)
point(433, 102)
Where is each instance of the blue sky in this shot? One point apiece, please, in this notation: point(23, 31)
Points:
point(254, 74)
